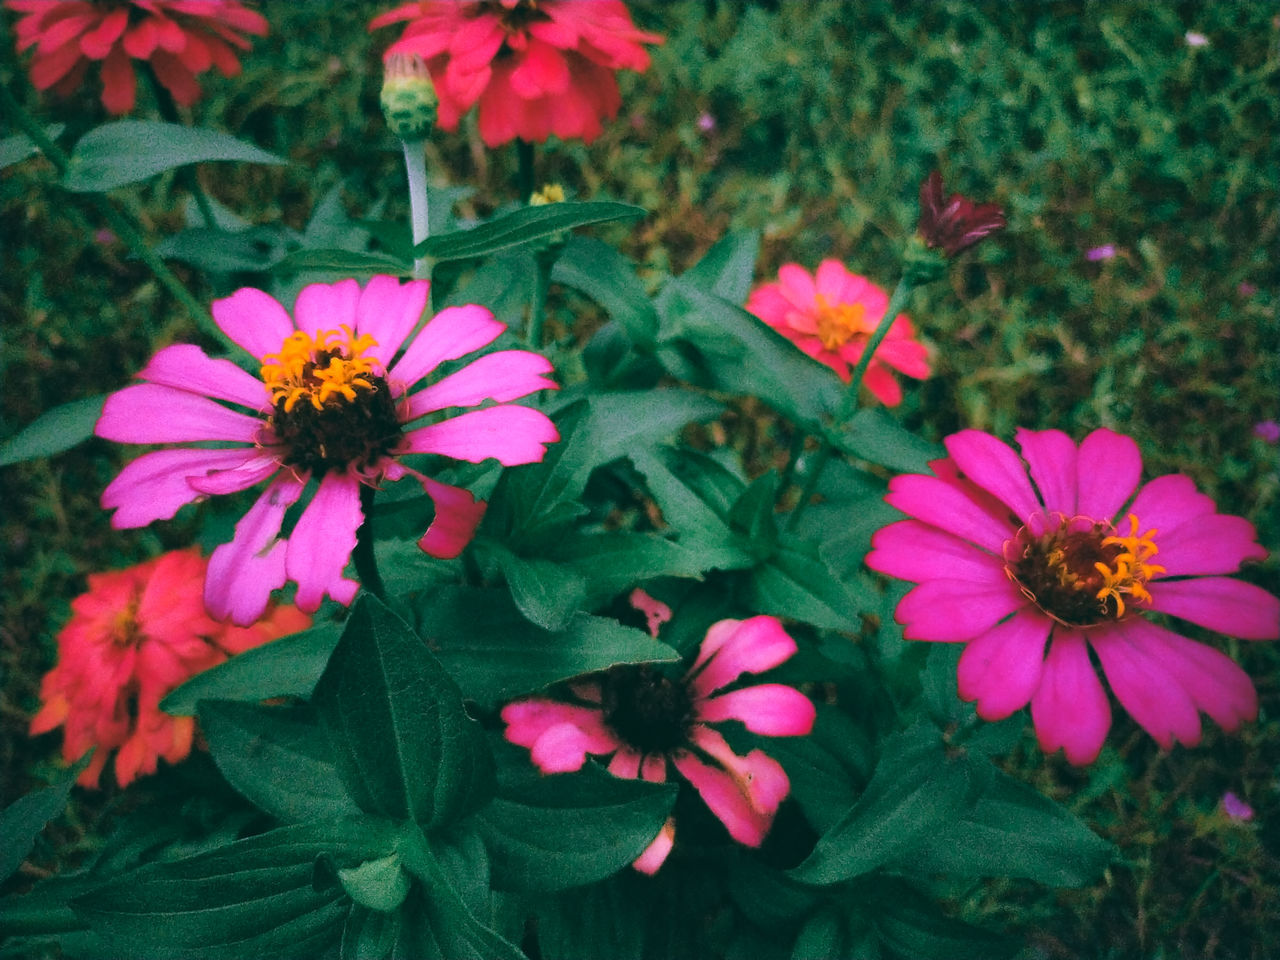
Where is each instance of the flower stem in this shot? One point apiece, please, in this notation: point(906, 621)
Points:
point(362, 555)
point(415, 165)
point(538, 306)
point(524, 182)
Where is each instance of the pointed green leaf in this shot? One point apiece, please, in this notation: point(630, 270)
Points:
point(608, 278)
point(728, 268)
point(752, 515)
point(547, 593)
point(380, 884)
point(24, 819)
point(346, 262)
point(914, 926)
point(794, 582)
point(18, 147)
point(612, 561)
point(54, 431)
point(522, 226)
point(873, 434)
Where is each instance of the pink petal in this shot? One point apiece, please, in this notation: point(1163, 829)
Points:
point(1168, 502)
point(994, 467)
point(772, 709)
point(243, 573)
point(797, 285)
point(151, 413)
point(452, 333)
point(119, 84)
point(1211, 544)
point(948, 508)
point(1233, 607)
point(655, 854)
point(835, 282)
point(734, 647)
point(1070, 708)
point(504, 375)
point(254, 320)
point(1001, 668)
point(235, 478)
point(326, 306)
point(1051, 458)
point(953, 610)
point(743, 792)
point(542, 71)
point(187, 367)
point(656, 613)
point(654, 768)
point(564, 748)
point(388, 312)
point(458, 513)
point(154, 486)
point(510, 434)
point(625, 764)
point(321, 543)
point(1150, 693)
point(1108, 468)
point(911, 550)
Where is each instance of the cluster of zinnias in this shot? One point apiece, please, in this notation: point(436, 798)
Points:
point(1031, 572)
point(650, 721)
point(535, 67)
point(831, 315)
point(133, 636)
point(178, 39)
point(335, 403)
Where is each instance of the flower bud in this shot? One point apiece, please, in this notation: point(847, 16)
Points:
point(956, 222)
point(408, 97)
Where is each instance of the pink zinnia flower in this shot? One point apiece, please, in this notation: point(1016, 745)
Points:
point(333, 404)
point(647, 721)
point(536, 67)
point(178, 38)
point(133, 636)
point(831, 315)
point(1031, 577)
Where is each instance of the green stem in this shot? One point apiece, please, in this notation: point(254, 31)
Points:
point(415, 165)
point(524, 182)
point(538, 308)
point(793, 458)
point(366, 563)
point(121, 225)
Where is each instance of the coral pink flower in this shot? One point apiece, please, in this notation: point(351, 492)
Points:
point(333, 405)
point(648, 721)
point(134, 636)
point(536, 67)
point(178, 38)
point(1032, 572)
point(830, 315)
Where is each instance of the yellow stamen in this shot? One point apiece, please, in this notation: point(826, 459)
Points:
point(841, 322)
point(330, 365)
point(1130, 571)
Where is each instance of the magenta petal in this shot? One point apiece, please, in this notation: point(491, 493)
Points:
point(510, 434)
point(150, 413)
point(734, 647)
point(254, 320)
point(948, 508)
point(743, 792)
point(655, 854)
point(1051, 458)
point(453, 332)
point(321, 543)
point(154, 486)
point(388, 312)
point(953, 610)
point(993, 465)
point(1107, 469)
point(911, 550)
point(237, 477)
point(564, 748)
point(326, 306)
point(1168, 502)
point(243, 573)
point(458, 514)
point(504, 375)
point(1001, 668)
point(625, 764)
point(772, 709)
point(529, 719)
point(1211, 544)
point(187, 367)
point(1070, 708)
point(1228, 606)
point(1150, 693)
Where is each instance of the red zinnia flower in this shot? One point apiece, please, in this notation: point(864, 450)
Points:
point(954, 223)
point(536, 67)
point(134, 636)
point(178, 38)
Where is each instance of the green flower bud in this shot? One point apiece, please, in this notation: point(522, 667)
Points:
point(408, 97)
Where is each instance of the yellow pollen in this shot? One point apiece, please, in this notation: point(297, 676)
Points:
point(1130, 570)
point(550, 193)
point(125, 631)
point(330, 364)
point(841, 322)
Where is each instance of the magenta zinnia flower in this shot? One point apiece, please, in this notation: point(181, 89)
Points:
point(1032, 577)
point(648, 720)
point(333, 404)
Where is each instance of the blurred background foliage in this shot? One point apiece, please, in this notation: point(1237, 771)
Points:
point(1149, 127)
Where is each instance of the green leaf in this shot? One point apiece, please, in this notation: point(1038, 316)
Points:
point(547, 833)
point(18, 147)
point(127, 151)
point(24, 819)
point(287, 667)
point(278, 757)
point(828, 768)
point(369, 934)
point(402, 741)
point(548, 593)
point(873, 434)
point(915, 787)
point(219, 250)
point(346, 262)
point(380, 884)
point(728, 267)
point(914, 926)
point(521, 226)
point(54, 431)
point(752, 515)
point(612, 561)
point(795, 582)
point(608, 278)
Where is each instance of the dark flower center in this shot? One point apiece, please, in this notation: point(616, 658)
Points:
point(647, 710)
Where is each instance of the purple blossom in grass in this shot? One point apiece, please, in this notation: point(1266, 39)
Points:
point(1104, 252)
point(1267, 430)
point(1195, 39)
point(1236, 808)
point(706, 122)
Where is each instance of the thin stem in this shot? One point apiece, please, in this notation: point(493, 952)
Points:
point(524, 182)
point(793, 457)
point(415, 165)
point(362, 555)
point(811, 478)
point(538, 308)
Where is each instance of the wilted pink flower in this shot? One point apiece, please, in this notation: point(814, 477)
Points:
point(831, 315)
point(1235, 808)
point(956, 222)
point(1267, 430)
point(177, 38)
point(1104, 252)
point(536, 67)
point(648, 720)
point(333, 404)
point(1030, 578)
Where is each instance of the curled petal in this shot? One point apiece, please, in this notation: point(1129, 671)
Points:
point(321, 543)
point(458, 514)
point(154, 486)
point(743, 792)
point(655, 854)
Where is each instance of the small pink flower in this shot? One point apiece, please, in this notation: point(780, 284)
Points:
point(706, 122)
point(535, 67)
point(1195, 39)
point(1268, 431)
point(649, 721)
point(1104, 252)
point(1235, 808)
point(1031, 572)
point(830, 315)
point(333, 404)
